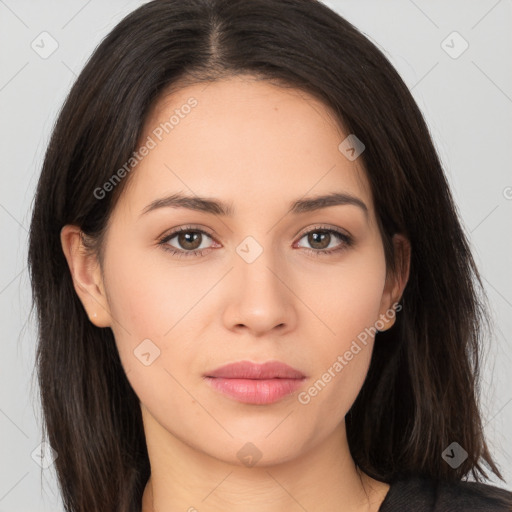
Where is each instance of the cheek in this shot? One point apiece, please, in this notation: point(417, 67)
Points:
point(148, 296)
point(152, 307)
point(348, 304)
point(145, 303)
point(340, 370)
point(347, 296)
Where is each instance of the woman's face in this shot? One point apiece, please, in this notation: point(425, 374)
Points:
point(267, 281)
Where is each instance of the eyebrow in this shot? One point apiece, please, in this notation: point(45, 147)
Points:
point(217, 207)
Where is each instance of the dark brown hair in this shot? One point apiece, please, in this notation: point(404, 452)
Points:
point(421, 392)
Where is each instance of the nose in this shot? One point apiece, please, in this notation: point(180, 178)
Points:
point(260, 297)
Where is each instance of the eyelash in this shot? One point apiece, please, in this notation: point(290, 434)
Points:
point(346, 239)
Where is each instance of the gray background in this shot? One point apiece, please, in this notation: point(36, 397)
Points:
point(467, 102)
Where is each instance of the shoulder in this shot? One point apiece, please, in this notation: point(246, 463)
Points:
point(427, 495)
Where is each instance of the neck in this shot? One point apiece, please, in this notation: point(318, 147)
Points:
point(323, 478)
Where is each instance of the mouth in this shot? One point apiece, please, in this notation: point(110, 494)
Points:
point(258, 384)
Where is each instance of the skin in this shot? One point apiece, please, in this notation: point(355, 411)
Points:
point(257, 147)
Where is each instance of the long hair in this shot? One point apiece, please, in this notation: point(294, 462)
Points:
point(421, 391)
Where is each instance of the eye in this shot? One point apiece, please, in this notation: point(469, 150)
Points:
point(321, 239)
point(190, 241)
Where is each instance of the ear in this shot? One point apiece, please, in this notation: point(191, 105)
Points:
point(86, 274)
point(395, 281)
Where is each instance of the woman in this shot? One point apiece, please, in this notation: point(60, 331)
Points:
point(253, 289)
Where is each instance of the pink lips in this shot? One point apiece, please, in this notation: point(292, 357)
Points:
point(253, 383)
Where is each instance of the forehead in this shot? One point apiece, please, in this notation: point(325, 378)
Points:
point(244, 139)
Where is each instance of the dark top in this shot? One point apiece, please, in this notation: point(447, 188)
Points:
point(416, 494)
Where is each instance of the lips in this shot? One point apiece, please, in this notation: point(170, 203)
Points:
point(258, 384)
point(248, 370)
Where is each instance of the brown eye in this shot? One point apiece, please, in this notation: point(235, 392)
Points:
point(190, 240)
point(323, 241)
point(186, 241)
point(319, 239)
